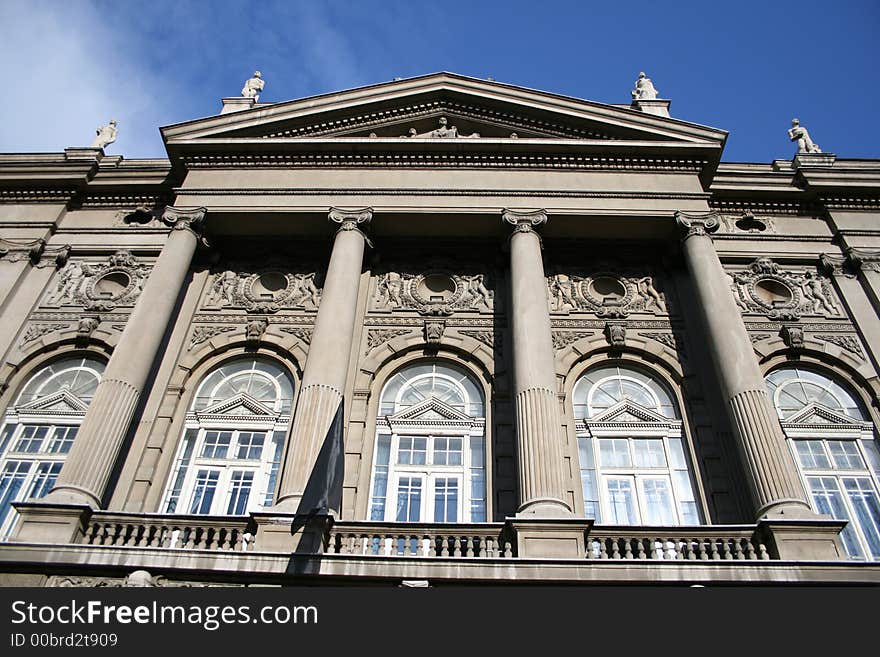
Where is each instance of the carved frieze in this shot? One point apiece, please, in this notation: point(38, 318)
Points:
point(488, 338)
point(669, 339)
point(433, 292)
point(848, 342)
point(201, 334)
point(101, 286)
point(765, 288)
point(377, 337)
point(302, 334)
point(35, 331)
point(267, 290)
point(607, 293)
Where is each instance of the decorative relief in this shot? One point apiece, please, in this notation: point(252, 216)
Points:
point(434, 292)
point(100, 286)
point(35, 331)
point(561, 339)
point(377, 337)
point(793, 336)
point(268, 290)
point(615, 333)
point(746, 222)
point(86, 326)
point(434, 329)
point(302, 334)
point(606, 293)
point(765, 288)
point(201, 334)
point(759, 336)
point(488, 338)
point(848, 342)
point(254, 330)
point(669, 339)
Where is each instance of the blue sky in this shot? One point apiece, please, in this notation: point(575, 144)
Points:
point(748, 67)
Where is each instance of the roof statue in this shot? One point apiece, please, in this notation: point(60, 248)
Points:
point(644, 88)
point(106, 135)
point(253, 87)
point(800, 134)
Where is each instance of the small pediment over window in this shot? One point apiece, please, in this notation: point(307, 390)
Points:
point(817, 415)
point(62, 402)
point(629, 412)
point(433, 412)
point(242, 405)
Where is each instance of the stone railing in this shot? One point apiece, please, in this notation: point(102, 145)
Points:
point(419, 540)
point(703, 543)
point(231, 533)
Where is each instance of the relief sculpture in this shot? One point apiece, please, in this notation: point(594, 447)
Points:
point(267, 291)
point(605, 293)
point(765, 288)
point(435, 292)
point(100, 286)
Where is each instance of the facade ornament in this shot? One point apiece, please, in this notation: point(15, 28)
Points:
point(799, 134)
point(793, 336)
point(304, 335)
point(87, 325)
point(378, 337)
point(749, 223)
point(254, 330)
point(615, 334)
point(442, 131)
point(696, 224)
point(524, 221)
point(106, 135)
point(100, 286)
point(562, 291)
point(864, 259)
point(434, 329)
point(765, 288)
point(488, 338)
point(15, 251)
point(268, 290)
point(140, 215)
point(669, 339)
point(561, 339)
point(644, 88)
point(35, 331)
point(434, 292)
point(758, 337)
point(191, 219)
point(351, 219)
point(848, 342)
point(838, 265)
point(201, 334)
point(253, 87)
point(607, 293)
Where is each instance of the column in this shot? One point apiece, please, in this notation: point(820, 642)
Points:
point(86, 471)
point(538, 427)
point(326, 368)
point(771, 472)
point(856, 279)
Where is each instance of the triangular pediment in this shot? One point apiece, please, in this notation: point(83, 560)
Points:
point(412, 108)
point(62, 402)
point(430, 410)
point(627, 411)
point(241, 405)
point(815, 414)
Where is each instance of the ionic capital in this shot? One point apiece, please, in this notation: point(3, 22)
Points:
point(524, 221)
point(191, 219)
point(837, 265)
point(350, 219)
point(699, 224)
point(864, 259)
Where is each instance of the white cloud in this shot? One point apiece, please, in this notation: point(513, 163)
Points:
point(66, 72)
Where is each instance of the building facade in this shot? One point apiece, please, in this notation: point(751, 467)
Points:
point(527, 337)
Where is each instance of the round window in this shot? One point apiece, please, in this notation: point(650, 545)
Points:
point(270, 283)
point(772, 292)
point(437, 288)
point(608, 287)
point(113, 285)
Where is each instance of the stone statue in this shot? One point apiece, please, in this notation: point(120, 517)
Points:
point(800, 134)
point(444, 132)
point(106, 135)
point(223, 289)
point(651, 295)
point(644, 88)
point(86, 326)
point(310, 290)
point(254, 330)
point(816, 294)
point(391, 290)
point(70, 281)
point(478, 292)
point(561, 291)
point(253, 87)
point(434, 331)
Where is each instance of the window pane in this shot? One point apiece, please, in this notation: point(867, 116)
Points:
point(614, 453)
point(216, 444)
point(277, 446)
point(44, 479)
point(621, 501)
point(811, 454)
point(8, 430)
point(62, 440)
point(250, 445)
point(867, 509)
point(676, 454)
point(409, 499)
point(203, 495)
point(31, 439)
point(11, 481)
point(380, 478)
point(657, 501)
point(446, 500)
point(189, 440)
point(649, 453)
point(829, 500)
point(478, 480)
point(845, 454)
point(239, 492)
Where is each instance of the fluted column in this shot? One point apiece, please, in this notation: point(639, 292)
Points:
point(326, 368)
point(538, 432)
point(88, 466)
point(770, 468)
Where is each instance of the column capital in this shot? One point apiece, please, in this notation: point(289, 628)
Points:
point(865, 259)
point(190, 219)
point(350, 219)
point(838, 265)
point(524, 221)
point(700, 224)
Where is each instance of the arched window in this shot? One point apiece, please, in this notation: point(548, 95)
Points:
point(833, 442)
point(39, 429)
point(633, 464)
point(228, 460)
point(430, 459)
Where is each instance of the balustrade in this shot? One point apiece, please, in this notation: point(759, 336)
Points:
point(173, 532)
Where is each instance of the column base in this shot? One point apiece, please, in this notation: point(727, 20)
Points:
point(550, 538)
point(804, 540)
point(41, 522)
point(544, 507)
point(289, 532)
point(791, 509)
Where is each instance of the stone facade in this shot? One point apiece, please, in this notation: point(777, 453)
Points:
point(499, 259)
